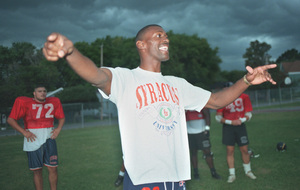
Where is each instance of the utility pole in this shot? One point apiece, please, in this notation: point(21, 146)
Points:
point(101, 65)
point(101, 56)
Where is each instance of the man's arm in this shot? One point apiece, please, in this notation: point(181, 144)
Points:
point(14, 124)
point(57, 130)
point(254, 76)
point(219, 117)
point(206, 116)
point(58, 46)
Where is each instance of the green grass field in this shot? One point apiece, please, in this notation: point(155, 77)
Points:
point(90, 158)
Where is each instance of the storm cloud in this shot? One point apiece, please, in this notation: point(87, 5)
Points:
point(229, 25)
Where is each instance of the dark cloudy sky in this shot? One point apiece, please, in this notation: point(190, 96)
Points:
point(228, 24)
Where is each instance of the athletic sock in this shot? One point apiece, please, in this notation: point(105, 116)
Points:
point(121, 173)
point(247, 167)
point(231, 171)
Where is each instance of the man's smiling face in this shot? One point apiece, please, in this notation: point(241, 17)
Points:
point(157, 43)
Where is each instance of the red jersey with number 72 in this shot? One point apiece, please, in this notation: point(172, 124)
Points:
point(237, 108)
point(37, 115)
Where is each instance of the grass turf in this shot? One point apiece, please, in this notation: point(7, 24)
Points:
point(90, 158)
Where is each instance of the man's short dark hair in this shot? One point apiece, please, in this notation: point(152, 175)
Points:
point(39, 86)
point(141, 32)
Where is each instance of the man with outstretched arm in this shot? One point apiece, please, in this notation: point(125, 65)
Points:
point(151, 107)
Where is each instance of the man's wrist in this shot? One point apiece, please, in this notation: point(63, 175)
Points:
point(246, 81)
point(243, 119)
point(207, 127)
point(227, 121)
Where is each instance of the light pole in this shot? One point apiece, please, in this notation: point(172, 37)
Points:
point(101, 64)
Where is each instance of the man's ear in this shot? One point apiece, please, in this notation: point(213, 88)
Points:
point(140, 44)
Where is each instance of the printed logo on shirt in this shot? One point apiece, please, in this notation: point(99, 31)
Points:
point(165, 113)
point(165, 122)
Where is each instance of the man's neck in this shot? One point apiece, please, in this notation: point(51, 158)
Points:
point(40, 101)
point(151, 66)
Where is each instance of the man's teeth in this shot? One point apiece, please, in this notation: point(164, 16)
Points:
point(164, 48)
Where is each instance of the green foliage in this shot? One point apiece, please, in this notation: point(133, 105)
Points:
point(120, 52)
point(22, 53)
point(289, 56)
point(79, 93)
point(5, 58)
point(192, 58)
point(257, 54)
point(233, 75)
point(22, 70)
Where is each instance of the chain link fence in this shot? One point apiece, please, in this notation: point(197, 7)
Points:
point(77, 115)
point(277, 96)
point(81, 115)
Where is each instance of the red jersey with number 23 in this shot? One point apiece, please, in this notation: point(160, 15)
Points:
point(237, 108)
point(37, 115)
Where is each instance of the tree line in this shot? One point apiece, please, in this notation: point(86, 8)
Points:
point(23, 65)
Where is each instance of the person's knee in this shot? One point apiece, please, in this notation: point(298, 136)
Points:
point(207, 154)
point(230, 150)
point(52, 170)
point(244, 149)
point(38, 172)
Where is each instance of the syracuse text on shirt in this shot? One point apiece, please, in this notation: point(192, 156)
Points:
point(161, 102)
point(156, 93)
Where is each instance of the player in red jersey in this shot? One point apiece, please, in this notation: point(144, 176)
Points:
point(39, 133)
point(233, 117)
point(198, 126)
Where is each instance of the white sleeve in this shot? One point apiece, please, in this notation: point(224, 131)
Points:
point(249, 114)
point(195, 98)
point(218, 118)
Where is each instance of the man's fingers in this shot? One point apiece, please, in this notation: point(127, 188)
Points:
point(260, 74)
point(271, 66)
point(54, 47)
point(50, 55)
point(270, 79)
point(52, 37)
point(249, 69)
point(31, 138)
point(57, 46)
point(61, 53)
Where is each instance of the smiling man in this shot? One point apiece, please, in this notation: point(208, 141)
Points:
point(151, 107)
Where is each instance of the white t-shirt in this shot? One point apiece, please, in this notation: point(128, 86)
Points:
point(195, 126)
point(151, 110)
point(41, 134)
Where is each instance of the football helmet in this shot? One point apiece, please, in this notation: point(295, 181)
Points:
point(281, 146)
